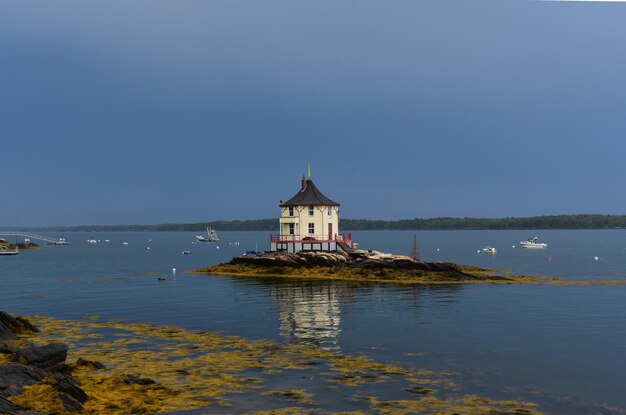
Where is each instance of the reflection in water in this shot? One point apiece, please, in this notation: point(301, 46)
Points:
point(310, 313)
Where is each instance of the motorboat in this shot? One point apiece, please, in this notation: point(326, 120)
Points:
point(211, 236)
point(186, 252)
point(92, 240)
point(61, 241)
point(489, 250)
point(6, 251)
point(533, 243)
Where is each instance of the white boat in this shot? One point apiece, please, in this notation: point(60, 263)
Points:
point(211, 236)
point(6, 251)
point(489, 250)
point(533, 243)
point(92, 240)
point(60, 241)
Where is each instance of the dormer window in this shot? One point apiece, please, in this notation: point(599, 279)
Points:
point(330, 210)
point(311, 210)
point(290, 210)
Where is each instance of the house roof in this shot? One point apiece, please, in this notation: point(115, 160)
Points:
point(309, 196)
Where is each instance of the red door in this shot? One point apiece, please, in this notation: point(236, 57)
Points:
point(330, 231)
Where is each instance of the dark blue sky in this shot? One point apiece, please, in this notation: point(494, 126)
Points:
point(149, 111)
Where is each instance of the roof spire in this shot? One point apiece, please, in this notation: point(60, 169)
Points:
point(309, 171)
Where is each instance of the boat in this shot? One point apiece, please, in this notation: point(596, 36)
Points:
point(533, 243)
point(186, 252)
point(489, 250)
point(60, 241)
point(6, 251)
point(92, 240)
point(211, 236)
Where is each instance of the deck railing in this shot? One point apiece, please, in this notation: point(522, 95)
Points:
point(344, 238)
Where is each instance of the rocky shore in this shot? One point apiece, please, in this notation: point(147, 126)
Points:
point(202, 370)
point(25, 366)
point(359, 265)
point(22, 246)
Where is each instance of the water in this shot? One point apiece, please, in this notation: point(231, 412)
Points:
point(560, 346)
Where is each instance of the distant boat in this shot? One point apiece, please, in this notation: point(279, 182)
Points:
point(186, 252)
point(60, 241)
point(489, 250)
point(533, 243)
point(211, 236)
point(92, 240)
point(6, 251)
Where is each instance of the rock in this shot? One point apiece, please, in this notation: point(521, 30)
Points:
point(8, 348)
point(6, 333)
point(137, 380)
point(324, 258)
point(11, 326)
point(70, 403)
point(89, 364)
point(270, 259)
point(16, 374)
point(7, 408)
point(67, 384)
point(49, 357)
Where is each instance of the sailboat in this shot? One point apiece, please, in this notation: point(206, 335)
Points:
point(211, 236)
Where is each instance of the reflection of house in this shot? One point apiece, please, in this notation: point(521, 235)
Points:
point(309, 221)
point(309, 313)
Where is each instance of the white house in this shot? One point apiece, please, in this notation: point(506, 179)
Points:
point(309, 221)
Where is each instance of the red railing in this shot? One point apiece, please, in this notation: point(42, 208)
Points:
point(343, 238)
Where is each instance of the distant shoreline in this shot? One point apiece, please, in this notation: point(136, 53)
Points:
point(554, 222)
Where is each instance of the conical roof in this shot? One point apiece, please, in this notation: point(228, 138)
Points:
point(309, 196)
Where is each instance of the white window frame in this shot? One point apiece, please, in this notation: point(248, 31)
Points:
point(290, 210)
point(292, 229)
point(311, 210)
point(330, 210)
point(311, 228)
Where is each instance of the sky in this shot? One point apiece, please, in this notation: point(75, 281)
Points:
point(143, 112)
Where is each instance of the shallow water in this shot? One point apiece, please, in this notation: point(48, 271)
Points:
point(559, 346)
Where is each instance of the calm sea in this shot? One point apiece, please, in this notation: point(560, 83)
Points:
point(561, 346)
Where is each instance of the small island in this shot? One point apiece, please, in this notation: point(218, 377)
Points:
point(360, 265)
point(309, 246)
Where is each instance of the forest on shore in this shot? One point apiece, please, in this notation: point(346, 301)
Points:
point(445, 223)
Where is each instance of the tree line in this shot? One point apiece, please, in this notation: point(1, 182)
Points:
point(445, 223)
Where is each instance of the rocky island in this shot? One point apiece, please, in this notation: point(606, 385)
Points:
point(359, 265)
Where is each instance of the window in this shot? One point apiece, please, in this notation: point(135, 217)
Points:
point(330, 210)
point(311, 228)
point(290, 210)
point(291, 229)
point(311, 210)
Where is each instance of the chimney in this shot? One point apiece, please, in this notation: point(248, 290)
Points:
point(303, 184)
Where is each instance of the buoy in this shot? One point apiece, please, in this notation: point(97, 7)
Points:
point(147, 247)
point(174, 271)
point(478, 251)
point(125, 243)
point(437, 249)
point(217, 247)
point(513, 246)
point(596, 258)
